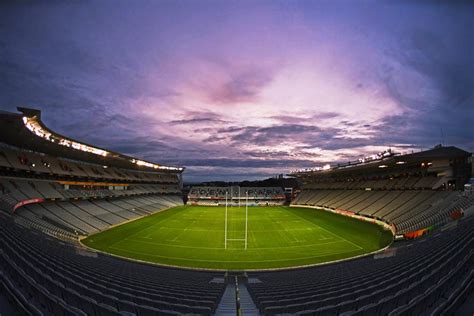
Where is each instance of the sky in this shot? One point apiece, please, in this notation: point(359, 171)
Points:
point(237, 90)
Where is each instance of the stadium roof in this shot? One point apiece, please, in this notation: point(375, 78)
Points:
point(26, 130)
point(393, 161)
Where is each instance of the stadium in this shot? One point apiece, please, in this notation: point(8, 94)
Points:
point(247, 158)
point(88, 231)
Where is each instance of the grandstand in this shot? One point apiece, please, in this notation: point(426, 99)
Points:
point(54, 191)
point(70, 189)
point(236, 195)
point(411, 192)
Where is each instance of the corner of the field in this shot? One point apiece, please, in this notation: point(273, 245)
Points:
point(384, 225)
point(88, 248)
point(81, 238)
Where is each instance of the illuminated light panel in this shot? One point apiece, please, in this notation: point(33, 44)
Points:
point(400, 162)
point(380, 156)
point(383, 166)
point(35, 127)
point(32, 124)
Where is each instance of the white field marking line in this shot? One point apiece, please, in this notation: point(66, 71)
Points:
point(289, 238)
point(359, 247)
point(149, 227)
point(221, 230)
point(220, 248)
point(143, 230)
point(183, 231)
point(292, 237)
point(225, 261)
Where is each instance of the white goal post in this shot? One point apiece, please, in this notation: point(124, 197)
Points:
point(246, 221)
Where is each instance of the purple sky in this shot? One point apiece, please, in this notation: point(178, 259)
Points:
point(244, 89)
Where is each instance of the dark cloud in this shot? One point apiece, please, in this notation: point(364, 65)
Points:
point(242, 163)
point(277, 133)
point(289, 119)
point(194, 117)
point(196, 121)
point(293, 119)
point(325, 115)
point(242, 86)
point(214, 138)
point(446, 113)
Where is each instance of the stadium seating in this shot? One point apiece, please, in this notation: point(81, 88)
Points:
point(81, 211)
point(407, 210)
point(50, 277)
point(42, 164)
point(46, 276)
point(213, 196)
point(422, 276)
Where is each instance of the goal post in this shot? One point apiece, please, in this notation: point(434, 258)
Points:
point(226, 220)
point(225, 225)
point(246, 217)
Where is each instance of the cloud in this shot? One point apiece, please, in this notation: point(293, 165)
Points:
point(195, 117)
point(241, 87)
point(251, 92)
point(240, 163)
point(276, 134)
point(441, 110)
point(309, 118)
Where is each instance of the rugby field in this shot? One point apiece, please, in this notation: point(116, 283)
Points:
point(193, 236)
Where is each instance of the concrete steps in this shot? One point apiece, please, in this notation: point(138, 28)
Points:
point(247, 305)
point(227, 306)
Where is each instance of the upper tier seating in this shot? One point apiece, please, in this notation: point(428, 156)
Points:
point(21, 160)
point(402, 183)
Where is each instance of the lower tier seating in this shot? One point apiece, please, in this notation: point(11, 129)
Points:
point(407, 210)
point(68, 219)
point(423, 277)
point(49, 277)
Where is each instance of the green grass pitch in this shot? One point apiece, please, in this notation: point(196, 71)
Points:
point(193, 236)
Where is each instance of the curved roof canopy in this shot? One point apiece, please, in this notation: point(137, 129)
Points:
point(27, 131)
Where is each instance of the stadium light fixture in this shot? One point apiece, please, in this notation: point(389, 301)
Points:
point(33, 124)
point(35, 127)
point(400, 162)
point(383, 166)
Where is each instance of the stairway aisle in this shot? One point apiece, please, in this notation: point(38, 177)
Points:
point(227, 305)
point(247, 305)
